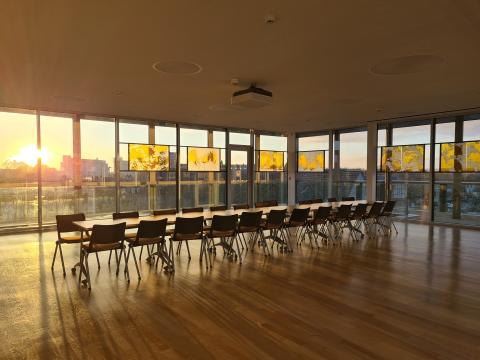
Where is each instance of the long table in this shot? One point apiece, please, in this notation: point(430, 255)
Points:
point(132, 223)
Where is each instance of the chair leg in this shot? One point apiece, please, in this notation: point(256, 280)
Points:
point(188, 249)
point(54, 255)
point(98, 261)
point(110, 257)
point(126, 263)
point(61, 258)
point(88, 272)
point(136, 264)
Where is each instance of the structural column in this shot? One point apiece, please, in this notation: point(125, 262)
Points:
point(291, 167)
point(371, 161)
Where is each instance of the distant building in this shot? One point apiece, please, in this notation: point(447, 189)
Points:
point(93, 169)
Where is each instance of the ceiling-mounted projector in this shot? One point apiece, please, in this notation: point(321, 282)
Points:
point(251, 98)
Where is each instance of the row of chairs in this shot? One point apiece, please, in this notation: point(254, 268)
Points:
point(330, 226)
point(330, 200)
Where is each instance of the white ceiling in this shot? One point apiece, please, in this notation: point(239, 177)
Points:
point(96, 57)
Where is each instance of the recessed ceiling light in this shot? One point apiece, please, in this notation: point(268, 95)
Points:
point(177, 67)
point(407, 65)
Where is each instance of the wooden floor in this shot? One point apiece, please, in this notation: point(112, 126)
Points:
point(415, 295)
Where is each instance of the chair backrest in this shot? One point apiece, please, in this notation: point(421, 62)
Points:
point(164, 212)
point(360, 210)
point(322, 214)
point(226, 224)
point(126, 215)
point(65, 222)
point(348, 198)
point(376, 209)
point(332, 199)
point(241, 206)
point(267, 203)
point(192, 210)
point(250, 219)
point(189, 226)
point(388, 208)
point(299, 216)
point(107, 234)
point(149, 229)
point(305, 202)
point(276, 217)
point(218, 208)
point(317, 201)
point(343, 212)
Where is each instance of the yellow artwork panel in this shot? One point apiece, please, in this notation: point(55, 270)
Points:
point(460, 157)
point(203, 159)
point(270, 161)
point(143, 157)
point(406, 158)
point(473, 156)
point(311, 161)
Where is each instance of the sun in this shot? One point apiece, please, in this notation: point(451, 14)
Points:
point(30, 155)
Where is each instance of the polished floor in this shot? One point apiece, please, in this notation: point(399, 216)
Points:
point(414, 295)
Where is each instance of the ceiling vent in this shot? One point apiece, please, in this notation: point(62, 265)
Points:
point(252, 98)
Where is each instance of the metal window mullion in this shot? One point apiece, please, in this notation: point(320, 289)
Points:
point(117, 165)
point(177, 170)
point(39, 174)
point(432, 170)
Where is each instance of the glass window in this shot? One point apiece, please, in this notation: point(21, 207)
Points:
point(471, 128)
point(351, 175)
point(96, 197)
point(193, 137)
point(165, 135)
point(18, 169)
point(276, 143)
point(201, 188)
point(313, 185)
point(412, 190)
point(272, 185)
point(236, 138)
point(381, 141)
point(134, 194)
point(219, 139)
point(165, 187)
point(58, 194)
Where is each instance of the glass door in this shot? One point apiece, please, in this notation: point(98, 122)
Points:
point(240, 170)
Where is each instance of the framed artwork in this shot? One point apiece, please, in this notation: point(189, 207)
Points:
point(270, 161)
point(403, 158)
point(460, 157)
point(203, 159)
point(311, 161)
point(145, 157)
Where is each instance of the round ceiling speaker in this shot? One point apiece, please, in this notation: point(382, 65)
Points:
point(177, 67)
point(407, 65)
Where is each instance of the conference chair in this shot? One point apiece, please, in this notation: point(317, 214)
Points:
point(317, 201)
point(189, 229)
point(250, 223)
point(68, 233)
point(332, 199)
point(341, 220)
point(241, 206)
point(169, 230)
point(102, 238)
point(149, 233)
point(192, 210)
point(267, 203)
point(218, 208)
point(371, 220)
point(319, 225)
point(298, 221)
point(348, 198)
point(275, 226)
point(305, 202)
point(386, 217)
point(224, 227)
point(130, 234)
point(357, 217)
